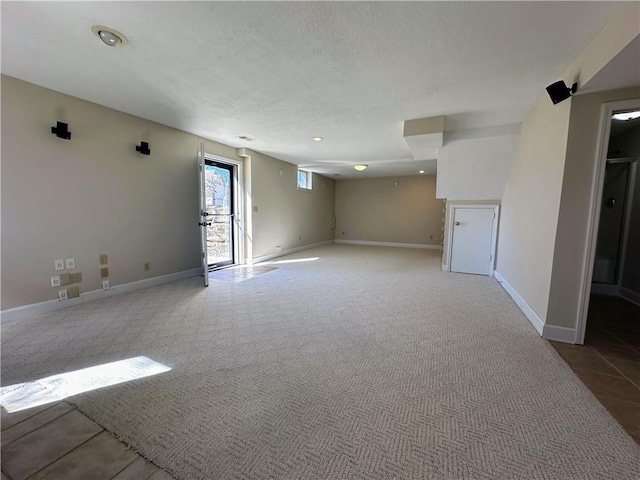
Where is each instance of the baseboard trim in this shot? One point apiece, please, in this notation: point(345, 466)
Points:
point(531, 315)
point(633, 297)
point(559, 334)
point(390, 244)
point(25, 311)
point(264, 258)
point(599, 289)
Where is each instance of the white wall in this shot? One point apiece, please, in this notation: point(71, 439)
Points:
point(475, 168)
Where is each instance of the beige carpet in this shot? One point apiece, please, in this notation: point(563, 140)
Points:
point(366, 363)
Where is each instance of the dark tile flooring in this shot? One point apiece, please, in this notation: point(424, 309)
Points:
point(609, 361)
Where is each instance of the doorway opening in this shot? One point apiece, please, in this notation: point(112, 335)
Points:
point(220, 206)
point(611, 297)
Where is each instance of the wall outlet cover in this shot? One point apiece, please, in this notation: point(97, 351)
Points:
point(55, 281)
point(65, 279)
point(74, 292)
point(59, 264)
point(106, 285)
point(104, 259)
point(75, 277)
point(104, 272)
point(63, 294)
point(71, 263)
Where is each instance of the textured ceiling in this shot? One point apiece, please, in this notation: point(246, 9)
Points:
point(283, 72)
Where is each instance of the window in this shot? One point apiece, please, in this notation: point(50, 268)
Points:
point(304, 180)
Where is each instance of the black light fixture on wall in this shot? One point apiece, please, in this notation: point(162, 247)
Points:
point(559, 91)
point(143, 148)
point(61, 130)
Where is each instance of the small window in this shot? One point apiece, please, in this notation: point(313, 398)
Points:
point(304, 180)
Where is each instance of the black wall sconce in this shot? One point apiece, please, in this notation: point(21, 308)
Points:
point(559, 91)
point(61, 130)
point(143, 148)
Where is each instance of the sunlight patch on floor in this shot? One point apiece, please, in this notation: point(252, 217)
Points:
point(57, 387)
point(309, 259)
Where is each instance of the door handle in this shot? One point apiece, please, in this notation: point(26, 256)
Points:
point(457, 223)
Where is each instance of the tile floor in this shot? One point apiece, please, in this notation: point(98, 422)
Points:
point(609, 361)
point(56, 442)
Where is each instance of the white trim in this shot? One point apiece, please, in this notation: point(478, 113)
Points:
point(559, 334)
point(494, 233)
point(390, 244)
point(633, 297)
point(595, 201)
point(34, 309)
point(263, 258)
point(531, 315)
point(601, 289)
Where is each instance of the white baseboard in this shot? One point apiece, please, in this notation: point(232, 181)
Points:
point(40, 308)
point(391, 244)
point(559, 334)
point(633, 297)
point(600, 289)
point(531, 315)
point(263, 258)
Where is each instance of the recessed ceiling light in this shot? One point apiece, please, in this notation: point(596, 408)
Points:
point(421, 171)
point(627, 115)
point(109, 36)
point(360, 168)
point(317, 139)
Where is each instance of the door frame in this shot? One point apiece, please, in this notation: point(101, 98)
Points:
point(238, 203)
point(451, 207)
point(595, 201)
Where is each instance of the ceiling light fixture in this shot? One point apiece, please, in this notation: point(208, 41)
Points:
point(624, 116)
point(421, 171)
point(109, 36)
point(317, 139)
point(360, 168)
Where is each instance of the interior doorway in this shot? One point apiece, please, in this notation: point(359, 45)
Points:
point(613, 276)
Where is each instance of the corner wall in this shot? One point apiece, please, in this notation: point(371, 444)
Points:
point(283, 215)
point(571, 240)
point(532, 199)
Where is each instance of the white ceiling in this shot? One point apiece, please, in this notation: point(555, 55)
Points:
point(283, 72)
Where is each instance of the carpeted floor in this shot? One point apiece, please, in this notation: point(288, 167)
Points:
point(365, 363)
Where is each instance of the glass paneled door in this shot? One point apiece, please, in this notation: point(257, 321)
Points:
point(220, 208)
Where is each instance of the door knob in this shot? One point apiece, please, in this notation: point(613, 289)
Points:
point(457, 223)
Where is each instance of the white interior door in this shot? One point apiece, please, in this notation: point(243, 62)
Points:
point(204, 215)
point(472, 245)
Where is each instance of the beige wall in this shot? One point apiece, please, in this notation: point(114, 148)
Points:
point(95, 194)
point(285, 216)
point(375, 210)
point(571, 240)
point(531, 202)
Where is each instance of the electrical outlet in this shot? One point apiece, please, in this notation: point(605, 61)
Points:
point(65, 279)
point(63, 294)
point(106, 285)
point(55, 281)
point(147, 266)
point(104, 259)
point(73, 292)
point(71, 263)
point(75, 277)
point(59, 264)
point(104, 272)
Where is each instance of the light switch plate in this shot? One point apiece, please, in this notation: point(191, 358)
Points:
point(104, 259)
point(59, 264)
point(63, 294)
point(106, 285)
point(104, 272)
point(55, 281)
point(71, 263)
